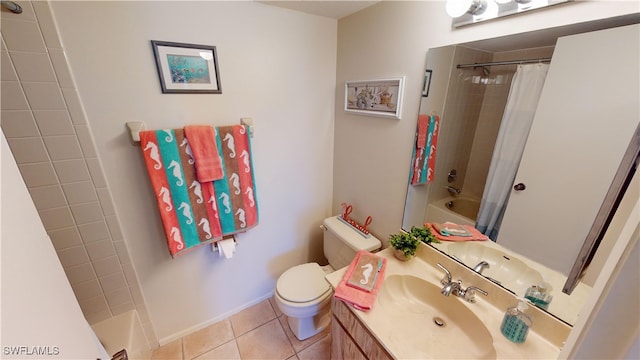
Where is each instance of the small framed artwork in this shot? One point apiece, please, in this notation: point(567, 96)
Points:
point(187, 68)
point(381, 97)
point(427, 83)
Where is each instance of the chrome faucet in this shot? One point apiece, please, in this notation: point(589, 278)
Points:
point(455, 287)
point(452, 287)
point(481, 266)
point(470, 293)
point(453, 190)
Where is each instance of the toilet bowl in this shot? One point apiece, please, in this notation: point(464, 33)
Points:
point(303, 294)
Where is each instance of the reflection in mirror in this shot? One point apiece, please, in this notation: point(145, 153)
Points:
point(470, 101)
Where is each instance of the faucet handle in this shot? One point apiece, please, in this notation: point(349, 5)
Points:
point(470, 292)
point(447, 275)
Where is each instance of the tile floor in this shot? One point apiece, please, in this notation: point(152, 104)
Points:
point(259, 332)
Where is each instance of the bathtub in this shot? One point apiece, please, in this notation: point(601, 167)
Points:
point(123, 331)
point(460, 210)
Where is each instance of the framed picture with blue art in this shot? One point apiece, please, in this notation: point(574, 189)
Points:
point(187, 68)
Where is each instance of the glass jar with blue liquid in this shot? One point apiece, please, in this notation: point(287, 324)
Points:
point(539, 295)
point(515, 324)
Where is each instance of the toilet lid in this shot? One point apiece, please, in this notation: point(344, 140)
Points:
point(302, 283)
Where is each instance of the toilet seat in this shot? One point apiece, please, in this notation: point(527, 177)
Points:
point(303, 284)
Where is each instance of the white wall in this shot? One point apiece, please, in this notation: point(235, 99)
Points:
point(372, 155)
point(38, 306)
point(276, 66)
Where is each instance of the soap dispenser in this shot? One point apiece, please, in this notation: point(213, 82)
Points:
point(515, 325)
point(540, 295)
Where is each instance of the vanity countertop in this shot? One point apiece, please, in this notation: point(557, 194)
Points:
point(396, 336)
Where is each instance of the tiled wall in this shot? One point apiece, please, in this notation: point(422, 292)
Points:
point(459, 121)
point(47, 130)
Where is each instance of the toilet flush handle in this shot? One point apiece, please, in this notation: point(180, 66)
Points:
point(323, 227)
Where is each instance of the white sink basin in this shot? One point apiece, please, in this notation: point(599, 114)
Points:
point(449, 329)
point(510, 271)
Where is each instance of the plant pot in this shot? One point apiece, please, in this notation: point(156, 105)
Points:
point(399, 254)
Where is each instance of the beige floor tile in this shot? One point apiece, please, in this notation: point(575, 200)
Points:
point(266, 342)
point(170, 351)
point(207, 339)
point(320, 350)
point(297, 344)
point(227, 351)
point(275, 307)
point(252, 317)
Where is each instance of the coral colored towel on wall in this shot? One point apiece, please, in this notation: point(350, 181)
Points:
point(360, 299)
point(195, 213)
point(423, 158)
point(205, 152)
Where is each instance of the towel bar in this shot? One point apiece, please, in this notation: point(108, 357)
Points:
point(136, 126)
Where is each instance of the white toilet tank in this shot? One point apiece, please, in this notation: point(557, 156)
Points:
point(342, 242)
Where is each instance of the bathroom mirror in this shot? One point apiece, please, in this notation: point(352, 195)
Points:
point(470, 101)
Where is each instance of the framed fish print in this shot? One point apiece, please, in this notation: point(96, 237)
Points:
point(187, 68)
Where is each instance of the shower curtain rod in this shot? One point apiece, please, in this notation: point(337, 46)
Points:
point(497, 63)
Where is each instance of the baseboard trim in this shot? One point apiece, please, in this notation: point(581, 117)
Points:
point(167, 339)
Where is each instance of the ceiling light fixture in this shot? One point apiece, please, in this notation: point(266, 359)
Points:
point(457, 8)
point(466, 12)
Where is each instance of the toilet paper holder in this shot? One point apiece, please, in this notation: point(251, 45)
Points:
point(214, 246)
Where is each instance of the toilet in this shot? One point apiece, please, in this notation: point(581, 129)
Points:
point(303, 294)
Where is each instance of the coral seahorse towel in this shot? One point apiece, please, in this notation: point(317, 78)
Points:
point(205, 152)
point(423, 157)
point(360, 299)
point(195, 213)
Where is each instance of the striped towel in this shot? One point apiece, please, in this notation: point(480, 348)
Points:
point(423, 158)
point(195, 213)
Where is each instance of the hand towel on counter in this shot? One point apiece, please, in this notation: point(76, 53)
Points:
point(205, 152)
point(451, 229)
point(476, 235)
point(358, 298)
point(195, 213)
point(365, 273)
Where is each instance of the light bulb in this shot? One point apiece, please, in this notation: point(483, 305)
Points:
point(489, 11)
point(457, 8)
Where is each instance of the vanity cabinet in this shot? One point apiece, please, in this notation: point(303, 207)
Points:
point(350, 339)
point(586, 116)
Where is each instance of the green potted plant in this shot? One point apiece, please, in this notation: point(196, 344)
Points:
point(424, 234)
point(406, 244)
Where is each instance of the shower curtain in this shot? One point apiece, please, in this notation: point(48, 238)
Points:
point(512, 136)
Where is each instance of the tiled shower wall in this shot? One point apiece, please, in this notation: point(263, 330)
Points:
point(47, 130)
point(459, 122)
